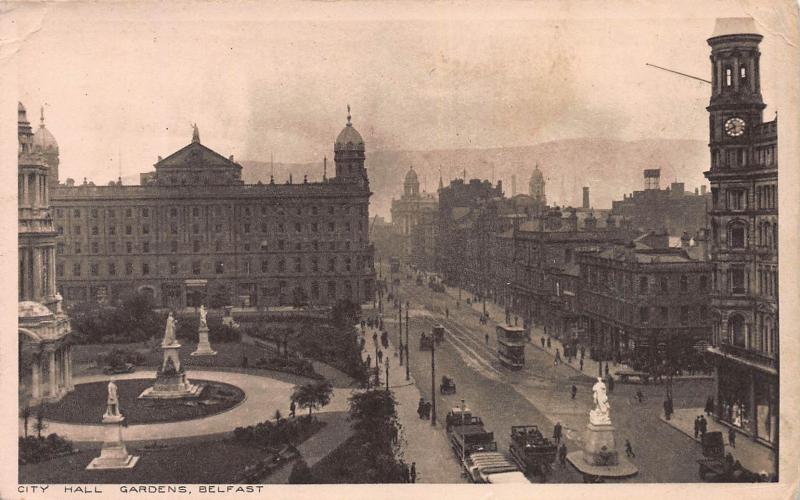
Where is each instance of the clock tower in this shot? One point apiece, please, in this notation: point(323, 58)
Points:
point(736, 105)
point(744, 235)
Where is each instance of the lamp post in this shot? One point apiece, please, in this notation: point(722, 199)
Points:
point(387, 374)
point(401, 336)
point(399, 333)
point(433, 379)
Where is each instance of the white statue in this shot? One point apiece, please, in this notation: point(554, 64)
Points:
point(600, 414)
point(203, 314)
point(112, 403)
point(169, 334)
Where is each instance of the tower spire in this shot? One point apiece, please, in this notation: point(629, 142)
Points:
point(195, 134)
point(325, 168)
point(349, 123)
point(41, 110)
point(441, 184)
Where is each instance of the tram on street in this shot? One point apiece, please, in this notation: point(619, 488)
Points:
point(511, 342)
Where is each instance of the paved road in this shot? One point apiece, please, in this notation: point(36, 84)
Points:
point(539, 394)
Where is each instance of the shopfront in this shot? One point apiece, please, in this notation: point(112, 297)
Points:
point(747, 400)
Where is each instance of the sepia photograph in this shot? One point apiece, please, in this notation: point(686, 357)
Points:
point(528, 245)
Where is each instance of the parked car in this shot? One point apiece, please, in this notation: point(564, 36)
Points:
point(123, 368)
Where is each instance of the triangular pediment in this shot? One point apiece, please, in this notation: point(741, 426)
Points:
point(194, 155)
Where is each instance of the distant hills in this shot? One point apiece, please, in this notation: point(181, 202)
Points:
point(609, 167)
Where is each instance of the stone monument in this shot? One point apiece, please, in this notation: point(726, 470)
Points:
point(171, 382)
point(114, 454)
point(203, 345)
point(600, 456)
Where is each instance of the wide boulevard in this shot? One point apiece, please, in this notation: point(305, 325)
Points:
point(540, 393)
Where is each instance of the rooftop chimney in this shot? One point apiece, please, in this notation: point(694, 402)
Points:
point(586, 197)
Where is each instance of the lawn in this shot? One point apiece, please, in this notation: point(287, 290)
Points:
point(87, 403)
point(200, 462)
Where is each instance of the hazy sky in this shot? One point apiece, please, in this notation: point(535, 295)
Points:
point(125, 81)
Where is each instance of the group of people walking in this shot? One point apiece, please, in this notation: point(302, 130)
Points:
point(424, 409)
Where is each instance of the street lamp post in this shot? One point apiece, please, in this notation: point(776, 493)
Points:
point(401, 336)
point(387, 374)
point(433, 379)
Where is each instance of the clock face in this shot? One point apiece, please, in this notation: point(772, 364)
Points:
point(734, 127)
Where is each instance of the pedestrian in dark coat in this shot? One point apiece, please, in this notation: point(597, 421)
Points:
point(574, 391)
point(487, 338)
point(581, 364)
point(421, 408)
point(703, 426)
point(696, 426)
point(369, 361)
point(557, 433)
point(542, 342)
point(292, 409)
point(548, 342)
point(405, 471)
point(583, 352)
point(413, 472)
point(562, 455)
point(629, 449)
point(732, 437)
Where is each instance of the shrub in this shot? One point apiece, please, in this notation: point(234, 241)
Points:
point(134, 320)
point(301, 474)
point(118, 357)
point(35, 449)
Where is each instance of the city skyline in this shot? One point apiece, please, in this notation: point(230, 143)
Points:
point(496, 94)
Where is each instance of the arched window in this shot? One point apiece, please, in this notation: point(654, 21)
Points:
point(728, 76)
point(736, 235)
point(742, 72)
point(736, 330)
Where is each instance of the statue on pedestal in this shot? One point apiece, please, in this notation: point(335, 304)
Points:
point(112, 403)
point(169, 334)
point(600, 414)
point(203, 314)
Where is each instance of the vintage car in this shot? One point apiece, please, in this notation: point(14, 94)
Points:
point(448, 385)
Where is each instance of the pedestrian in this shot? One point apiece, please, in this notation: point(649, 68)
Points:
point(606, 368)
point(639, 395)
point(421, 408)
point(562, 455)
point(292, 409)
point(413, 472)
point(696, 426)
point(446, 312)
point(428, 407)
point(487, 338)
point(629, 449)
point(703, 426)
point(581, 364)
point(369, 361)
point(710, 405)
point(732, 437)
point(380, 356)
point(542, 342)
point(557, 433)
point(375, 337)
point(244, 361)
point(583, 351)
point(405, 471)
point(548, 342)
point(574, 391)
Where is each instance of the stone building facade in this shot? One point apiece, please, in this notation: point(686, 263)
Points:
point(194, 234)
point(646, 303)
point(744, 234)
point(672, 209)
point(43, 329)
point(414, 208)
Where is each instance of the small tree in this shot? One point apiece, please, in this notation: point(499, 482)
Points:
point(313, 395)
point(220, 297)
point(25, 413)
point(39, 426)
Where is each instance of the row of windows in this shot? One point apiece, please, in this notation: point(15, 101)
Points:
point(199, 246)
point(246, 228)
point(217, 211)
point(604, 278)
point(684, 314)
point(296, 265)
point(766, 235)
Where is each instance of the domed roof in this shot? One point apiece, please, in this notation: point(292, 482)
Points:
point(30, 309)
point(43, 139)
point(349, 138)
point(537, 174)
point(411, 177)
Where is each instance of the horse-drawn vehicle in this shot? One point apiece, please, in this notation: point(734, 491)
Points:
point(448, 385)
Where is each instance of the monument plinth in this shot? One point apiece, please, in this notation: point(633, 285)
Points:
point(600, 456)
point(114, 454)
point(203, 345)
point(171, 381)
